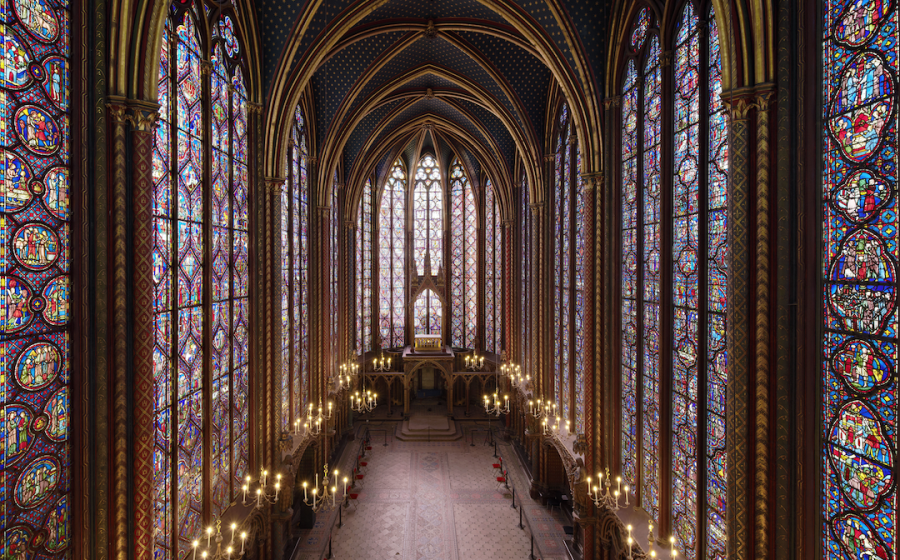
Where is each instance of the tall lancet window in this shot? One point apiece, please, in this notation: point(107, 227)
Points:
point(694, 248)
point(428, 204)
point(427, 313)
point(295, 277)
point(493, 271)
point(35, 363)
point(525, 287)
point(364, 270)
point(392, 258)
point(568, 274)
point(200, 222)
point(463, 258)
point(860, 257)
point(335, 264)
point(698, 290)
point(640, 265)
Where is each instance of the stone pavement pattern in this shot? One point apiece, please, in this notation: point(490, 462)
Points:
point(428, 501)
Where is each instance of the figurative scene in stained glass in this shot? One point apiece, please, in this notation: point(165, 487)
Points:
point(391, 258)
point(716, 300)
point(428, 221)
point(427, 312)
point(685, 286)
point(696, 247)
point(463, 258)
point(364, 270)
point(185, 257)
point(493, 270)
point(860, 255)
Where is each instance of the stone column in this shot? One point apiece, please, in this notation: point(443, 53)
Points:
point(738, 329)
point(142, 118)
point(118, 218)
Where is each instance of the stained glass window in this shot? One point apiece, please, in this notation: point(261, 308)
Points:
point(364, 270)
point(295, 277)
point(695, 246)
point(200, 235)
point(568, 274)
point(493, 271)
point(860, 44)
point(36, 463)
point(427, 313)
point(463, 258)
point(525, 232)
point(428, 224)
point(391, 259)
point(335, 220)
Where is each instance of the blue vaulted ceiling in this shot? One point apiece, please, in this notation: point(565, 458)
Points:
point(478, 49)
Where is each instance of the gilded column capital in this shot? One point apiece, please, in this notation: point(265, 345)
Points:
point(142, 120)
point(274, 185)
point(349, 224)
point(312, 160)
point(205, 68)
point(536, 208)
point(548, 158)
point(117, 110)
point(508, 223)
point(255, 108)
point(592, 180)
point(665, 59)
point(741, 101)
point(324, 210)
point(612, 102)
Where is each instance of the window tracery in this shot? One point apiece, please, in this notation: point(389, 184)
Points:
point(364, 264)
point(200, 234)
point(463, 258)
point(687, 233)
point(493, 273)
point(391, 259)
point(428, 204)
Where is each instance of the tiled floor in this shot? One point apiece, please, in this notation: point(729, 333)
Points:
point(434, 501)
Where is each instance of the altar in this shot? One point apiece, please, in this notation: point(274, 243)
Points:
point(440, 359)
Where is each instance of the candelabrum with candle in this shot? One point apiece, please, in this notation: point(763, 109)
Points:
point(362, 403)
point(474, 362)
point(542, 409)
point(327, 499)
point(347, 374)
point(495, 406)
point(604, 496)
point(382, 364)
point(315, 422)
point(264, 492)
point(222, 551)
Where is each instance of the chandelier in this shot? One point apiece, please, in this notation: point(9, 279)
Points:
point(362, 404)
point(263, 493)
point(495, 407)
point(541, 409)
point(605, 497)
point(474, 362)
point(382, 364)
point(326, 500)
point(347, 373)
point(219, 554)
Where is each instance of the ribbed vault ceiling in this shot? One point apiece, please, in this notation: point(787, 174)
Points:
point(454, 66)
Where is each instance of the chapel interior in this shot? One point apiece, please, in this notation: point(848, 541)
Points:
point(449, 279)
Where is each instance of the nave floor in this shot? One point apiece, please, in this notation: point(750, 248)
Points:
point(436, 501)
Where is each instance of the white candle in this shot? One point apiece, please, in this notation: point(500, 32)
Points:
point(333, 495)
point(304, 491)
point(619, 480)
point(243, 538)
point(196, 544)
point(259, 497)
point(208, 535)
point(277, 490)
point(233, 527)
